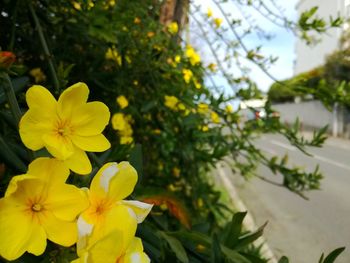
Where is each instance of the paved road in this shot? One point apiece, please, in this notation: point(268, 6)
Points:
point(301, 229)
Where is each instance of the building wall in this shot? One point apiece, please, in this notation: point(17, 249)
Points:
point(313, 116)
point(309, 57)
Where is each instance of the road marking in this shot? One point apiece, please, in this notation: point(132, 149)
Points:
point(337, 145)
point(326, 160)
point(283, 145)
point(318, 157)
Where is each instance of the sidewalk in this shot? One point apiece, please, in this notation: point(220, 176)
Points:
point(224, 174)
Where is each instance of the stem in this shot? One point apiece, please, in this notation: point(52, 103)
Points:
point(11, 97)
point(96, 159)
point(44, 46)
point(7, 154)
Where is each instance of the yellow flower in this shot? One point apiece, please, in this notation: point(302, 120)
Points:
point(112, 54)
point(197, 84)
point(187, 75)
point(203, 108)
point(77, 5)
point(200, 202)
point(67, 127)
point(171, 102)
point(135, 82)
point(106, 250)
point(38, 206)
point(126, 140)
point(177, 59)
point(212, 67)
point(217, 22)
point(181, 106)
point(122, 101)
point(137, 20)
point(173, 28)
point(192, 55)
point(209, 13)
point(38, 75)
point(108, 212)
point(134, 251)
point(121, 123)
point(111, 3)
point(176, 172)
point(229, 108)
point(150, 34)
point(214, 117)
point(157, 131)
point(205, 128)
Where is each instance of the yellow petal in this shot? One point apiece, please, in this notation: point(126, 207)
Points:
point(40, 98)
point(123, 183)
point(25, 186)
point(58, 146)
point(67, 201)
point(37, 241)
point(78, 162)
point(13, 185)
point(71, 98)
point(60, 232)
point(49, 169)
point(116, 180)
point(90, 118)
point(15, 229)
point(107, 249)
point(33, 125)
point(96, 143)
point(119, 219)
point(135, 253)
point(140, 209)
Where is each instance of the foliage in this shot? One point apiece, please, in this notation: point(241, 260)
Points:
point(165, 119)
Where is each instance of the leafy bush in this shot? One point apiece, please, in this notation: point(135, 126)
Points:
point(170, 126)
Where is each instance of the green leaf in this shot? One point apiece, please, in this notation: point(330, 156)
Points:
point(283, 259)
point(333, 255)
point(250, 237)
point(176, 247)
point(136, 160)
point(205, 240)
point(18, 84)
point(235, 227)
point(216, 254)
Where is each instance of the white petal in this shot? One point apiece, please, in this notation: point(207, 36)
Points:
point(140, 209)
point(107, 175)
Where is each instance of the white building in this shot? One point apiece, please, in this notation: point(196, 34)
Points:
point(309, 57)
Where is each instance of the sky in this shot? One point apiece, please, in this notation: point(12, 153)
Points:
point(282, 44)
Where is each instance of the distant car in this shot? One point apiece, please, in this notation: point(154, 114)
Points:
point(260, 113)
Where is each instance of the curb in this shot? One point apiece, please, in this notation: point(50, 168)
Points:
point(248, 222)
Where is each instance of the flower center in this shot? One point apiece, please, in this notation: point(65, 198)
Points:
point(63, 128)
point(37, 207)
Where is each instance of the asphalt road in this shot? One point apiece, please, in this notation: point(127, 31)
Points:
point(302, 229)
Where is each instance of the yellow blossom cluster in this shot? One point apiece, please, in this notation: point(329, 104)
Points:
point(122, 102)
point(174, 104)
point(38, 75)
point(217, 21)
point(187, 75)
point(122, 124)
point(192, 55)
point(112, 54)
point(173, 28)
point(39, 205)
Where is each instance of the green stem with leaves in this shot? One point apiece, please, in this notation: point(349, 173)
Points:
point(44, 46)
point(11, 97)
